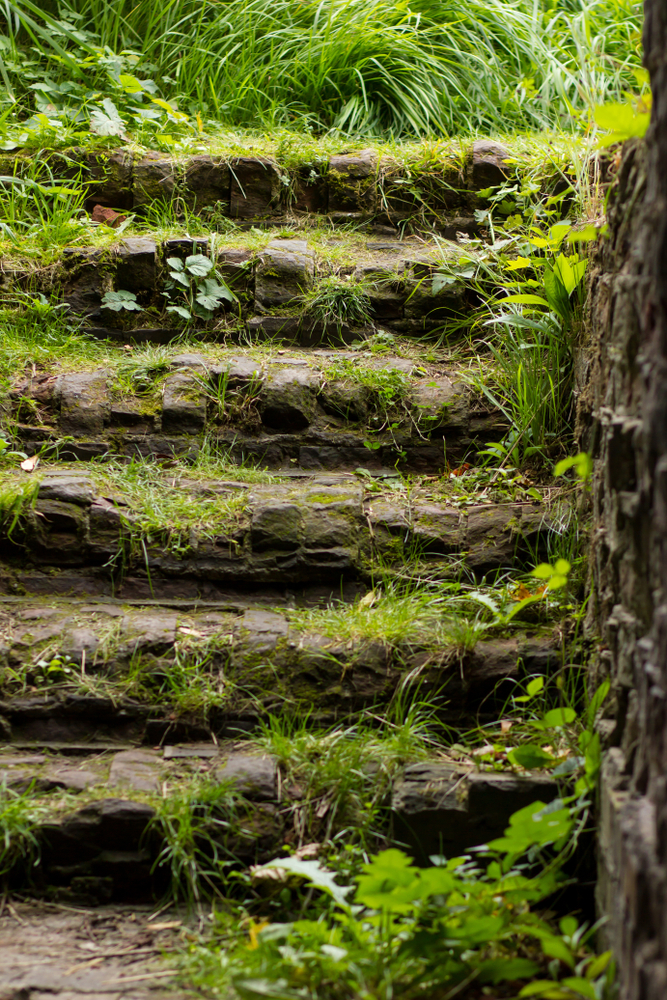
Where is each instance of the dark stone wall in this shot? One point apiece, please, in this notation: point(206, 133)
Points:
point(622, 421)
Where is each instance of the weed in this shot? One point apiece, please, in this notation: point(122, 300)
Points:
point(196, 282)
point(193, 825)
point(336, 302)
point(20, 818)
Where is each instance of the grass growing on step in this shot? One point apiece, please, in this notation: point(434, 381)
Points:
point(445, 615)
point(140, 371)
point(36, 335)
point(160, 511)
point(336, 302)
point(20, 817)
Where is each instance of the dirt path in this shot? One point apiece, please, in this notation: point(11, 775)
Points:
point(62, 953)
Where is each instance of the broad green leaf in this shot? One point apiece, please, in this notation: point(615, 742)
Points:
point(518, 264)
point(526, 300)
point(543, 571)
point(104, 124)
point(598, 965)
point(318, 876)
point(530, 756)
point(130, 84)
point(568, 925)
point(441, 281)
point(622, 120)
point(498, 969)
point(558, 232)
point(198, 264)
point(180, 311)
point(168, 108)
point(175, 263)
point(585, 235)
point(581, 986)
point(582, 463)
point(559, 717)
point(545, 988)
point(535, 686)
point(121, 300)
point(266, 989)
point(555, 947)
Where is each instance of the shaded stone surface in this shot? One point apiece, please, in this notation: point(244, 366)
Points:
point(139, 769)
point(207, 183)
point(84, 404)
point(284, 273)
point(183, 405)
point(154, 179)
point(255, 187)
point(488, 164)
point(136, 269)
point(256, 778)
point(442, 809)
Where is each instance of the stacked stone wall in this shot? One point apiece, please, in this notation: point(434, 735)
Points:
point(622, 422)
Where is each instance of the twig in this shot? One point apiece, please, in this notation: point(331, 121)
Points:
point(146, 975)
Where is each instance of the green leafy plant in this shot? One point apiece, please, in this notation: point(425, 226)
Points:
point(411, 932)
point(120, 300)
point(200, 293)
point(582, 463)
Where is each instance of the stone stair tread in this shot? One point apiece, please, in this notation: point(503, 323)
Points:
point(436, 806)
point(271, 659)
point(289, 532)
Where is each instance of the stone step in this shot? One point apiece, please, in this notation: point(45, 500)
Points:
point(77, 673)
point(301, 286)
point(437, 185)
point(314, 410)
point(154, 531)
point(107, 849)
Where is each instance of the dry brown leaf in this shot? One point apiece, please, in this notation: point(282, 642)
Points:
point(505, 725)
point(30, 464)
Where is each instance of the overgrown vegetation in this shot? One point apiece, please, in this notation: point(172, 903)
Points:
point(363, 68)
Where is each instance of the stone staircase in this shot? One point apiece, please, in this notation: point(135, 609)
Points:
point(142, 651)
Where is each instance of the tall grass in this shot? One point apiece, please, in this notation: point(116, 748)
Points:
point(361, 66)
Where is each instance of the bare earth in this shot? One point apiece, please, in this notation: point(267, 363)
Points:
point(53, 952)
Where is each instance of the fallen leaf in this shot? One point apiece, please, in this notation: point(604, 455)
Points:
point(308, 851)
point(505, 725)
point(30, 464)
point(186, 630)
point(167, 925)
point(368, 600)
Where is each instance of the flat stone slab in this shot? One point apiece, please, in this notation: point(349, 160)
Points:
point(444, 809)
point(139, 769)
point(255, 778)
